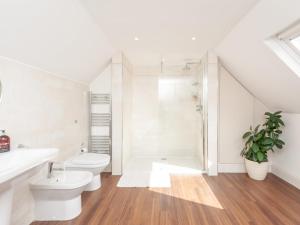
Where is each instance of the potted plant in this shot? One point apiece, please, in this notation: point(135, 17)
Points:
point(259, 141)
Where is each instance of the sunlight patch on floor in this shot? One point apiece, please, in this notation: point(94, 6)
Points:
point(191, 188)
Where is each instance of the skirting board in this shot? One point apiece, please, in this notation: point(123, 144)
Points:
point(240, 168)
point(234, 168)
point(231, 168)
point(295, 181)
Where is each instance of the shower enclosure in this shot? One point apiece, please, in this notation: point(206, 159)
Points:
point(168, 119)
point(165, 117)
point(160, 119)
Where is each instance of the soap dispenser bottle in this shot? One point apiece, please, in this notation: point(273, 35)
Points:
point(4, 142)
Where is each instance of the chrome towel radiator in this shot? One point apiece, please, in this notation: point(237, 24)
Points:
point(100, 123)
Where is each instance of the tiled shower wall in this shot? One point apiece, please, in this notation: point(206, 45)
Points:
point(165, 121)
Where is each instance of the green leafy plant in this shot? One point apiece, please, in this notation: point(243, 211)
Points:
point(261, 139)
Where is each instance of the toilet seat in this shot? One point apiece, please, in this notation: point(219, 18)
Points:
point(89, 160)
point(92, 162)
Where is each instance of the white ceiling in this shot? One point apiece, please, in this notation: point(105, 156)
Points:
point(76, 38)
point(246, 55)
point(58, 36)
point(165, 27)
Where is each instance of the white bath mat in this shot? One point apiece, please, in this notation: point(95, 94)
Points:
point(145, 179)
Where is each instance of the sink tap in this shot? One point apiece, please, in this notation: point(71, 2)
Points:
point(50, 169)
point(55, 166)
point(21, 146)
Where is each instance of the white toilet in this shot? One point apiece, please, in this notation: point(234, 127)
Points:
point(91, 162)
point(59, 197)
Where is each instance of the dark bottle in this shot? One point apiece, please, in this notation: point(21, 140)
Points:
point(4, 142)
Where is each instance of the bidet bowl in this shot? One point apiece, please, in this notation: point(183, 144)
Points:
point(59, 197)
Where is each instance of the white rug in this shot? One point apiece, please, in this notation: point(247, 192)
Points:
point(145, 179)
point(155, 172)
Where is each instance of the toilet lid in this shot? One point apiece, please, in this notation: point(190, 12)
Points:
point(90, 159)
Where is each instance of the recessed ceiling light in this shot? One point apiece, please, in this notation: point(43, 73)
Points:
point(194, 38)
point(136, 38)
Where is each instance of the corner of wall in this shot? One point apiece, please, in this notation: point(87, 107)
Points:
point(239, 109)
point(286, 176)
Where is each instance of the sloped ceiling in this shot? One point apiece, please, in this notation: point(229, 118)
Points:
point(58, 36)
point(245, 54)
point(165, 27)
point(68, 37)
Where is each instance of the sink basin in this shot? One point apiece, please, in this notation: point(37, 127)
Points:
point(14, 164)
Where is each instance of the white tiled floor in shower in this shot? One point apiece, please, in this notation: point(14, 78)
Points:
point(156, 171)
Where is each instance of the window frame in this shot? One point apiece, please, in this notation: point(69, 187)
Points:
point(281, 45)
point(287, 36)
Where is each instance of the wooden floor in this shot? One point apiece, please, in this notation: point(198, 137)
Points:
point(195, 200)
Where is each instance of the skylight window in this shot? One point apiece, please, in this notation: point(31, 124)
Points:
point(296, 43)
point(286, 45)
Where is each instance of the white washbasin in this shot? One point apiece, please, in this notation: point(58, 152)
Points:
point(16, 162)
point(13, 164)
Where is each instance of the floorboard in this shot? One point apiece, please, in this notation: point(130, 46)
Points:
point(192, 200)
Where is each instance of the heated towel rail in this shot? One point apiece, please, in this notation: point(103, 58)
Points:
point(100, 123)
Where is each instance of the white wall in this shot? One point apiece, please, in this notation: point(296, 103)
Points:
point(101, 85)
point(238, 110)
point(128, 77)
point(122, 74)
point(244, 52)
point(117, 80)
point(254, 64)
point(285, 163)
point(40, 110)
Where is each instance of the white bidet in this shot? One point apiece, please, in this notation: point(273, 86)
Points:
point(59, 197)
